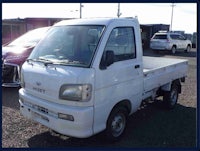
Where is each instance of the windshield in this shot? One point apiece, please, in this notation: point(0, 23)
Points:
point(69, 45)
point(30, 38)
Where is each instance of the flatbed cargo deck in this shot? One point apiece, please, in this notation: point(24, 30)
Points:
point(160, 71)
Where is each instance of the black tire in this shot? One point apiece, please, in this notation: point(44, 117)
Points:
point(188, 49)
point(173, 50)
point(170, 98)
point(116, 124)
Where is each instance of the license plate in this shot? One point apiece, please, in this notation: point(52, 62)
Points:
point(36, 115)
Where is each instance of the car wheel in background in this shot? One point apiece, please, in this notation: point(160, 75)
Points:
point(188, 49)
point(173, 50)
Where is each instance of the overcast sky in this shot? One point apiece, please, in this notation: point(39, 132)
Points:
point(184, 14)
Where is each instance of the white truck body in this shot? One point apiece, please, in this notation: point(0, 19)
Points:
point(126, 82)
point(158, 72)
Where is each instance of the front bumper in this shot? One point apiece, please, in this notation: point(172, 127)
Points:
point(10, 75)
point(46, 113)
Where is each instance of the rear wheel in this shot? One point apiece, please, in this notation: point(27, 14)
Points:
point(116, 124)
point(188, 48)
point(170, 97)
point(173, 50)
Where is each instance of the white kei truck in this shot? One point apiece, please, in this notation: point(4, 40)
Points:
point(88, 75)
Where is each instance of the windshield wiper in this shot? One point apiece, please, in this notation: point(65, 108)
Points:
point(42, 60)
point(61, 62)
point(29, 59)
point(77, 62)
point(45, 61)
point(67, 62)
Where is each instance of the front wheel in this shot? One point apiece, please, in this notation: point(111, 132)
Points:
point(116, 124)
point(170, 98)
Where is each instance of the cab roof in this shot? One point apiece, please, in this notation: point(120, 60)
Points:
point(92, 21)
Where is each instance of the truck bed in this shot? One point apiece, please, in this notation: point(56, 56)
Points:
point(159, 71)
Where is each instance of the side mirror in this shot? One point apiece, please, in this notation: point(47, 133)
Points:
point(107, 59)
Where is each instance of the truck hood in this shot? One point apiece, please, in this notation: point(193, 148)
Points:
point(45, 81)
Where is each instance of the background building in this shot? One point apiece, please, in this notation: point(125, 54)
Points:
point(13, 28)
point(148, 31)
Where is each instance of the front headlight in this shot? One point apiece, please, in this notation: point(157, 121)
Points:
point(75, 92)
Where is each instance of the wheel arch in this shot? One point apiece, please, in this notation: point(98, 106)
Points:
point(167, 87)
point(174, 45)
point(178, 83)
point(123, 103)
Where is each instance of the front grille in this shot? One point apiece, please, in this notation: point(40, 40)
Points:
point(10, 73)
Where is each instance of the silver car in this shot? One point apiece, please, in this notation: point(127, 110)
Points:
point(170, 41)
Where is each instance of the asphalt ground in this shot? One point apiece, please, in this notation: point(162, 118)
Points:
point(151, 126)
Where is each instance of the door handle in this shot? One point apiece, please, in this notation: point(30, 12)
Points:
point(137, 66)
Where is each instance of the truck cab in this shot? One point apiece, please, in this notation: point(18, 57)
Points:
point(87, 76)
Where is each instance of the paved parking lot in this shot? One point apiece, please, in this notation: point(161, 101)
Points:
point(151, 126)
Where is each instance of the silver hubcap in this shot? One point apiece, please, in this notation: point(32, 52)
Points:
point(118, 125)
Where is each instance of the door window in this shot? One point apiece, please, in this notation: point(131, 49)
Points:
point(122, 42)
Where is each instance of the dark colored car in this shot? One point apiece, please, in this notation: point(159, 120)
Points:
point(15, 53)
